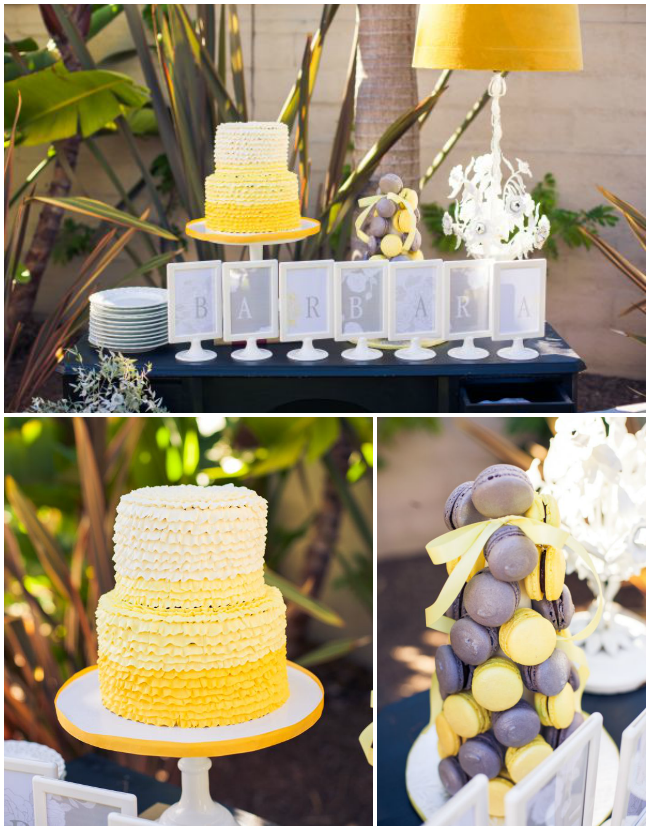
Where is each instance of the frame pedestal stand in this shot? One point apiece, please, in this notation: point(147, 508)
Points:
point(518, 351)
point(468, 351)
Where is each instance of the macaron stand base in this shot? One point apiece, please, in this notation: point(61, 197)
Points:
point(427, 793)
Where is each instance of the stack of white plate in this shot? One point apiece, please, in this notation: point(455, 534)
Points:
point(129, 319)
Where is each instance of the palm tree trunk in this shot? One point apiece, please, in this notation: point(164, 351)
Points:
point(386, 86)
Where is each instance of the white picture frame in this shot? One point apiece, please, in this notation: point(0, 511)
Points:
point(415, 290)
point(361, 291)
point(468, 300)
point(518, 294)
point(307, 306)
point(560, 791)
point(19, 774)
point(529, 300)
point(468, 808)
point(53, 796)
point(250, 293)
point(630, 795)
point(467, 297)
point(194, 307)
point(123, 820)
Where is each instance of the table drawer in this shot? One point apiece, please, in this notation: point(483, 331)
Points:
point(542, 396)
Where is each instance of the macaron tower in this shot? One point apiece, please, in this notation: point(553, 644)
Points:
point(391, 224)
point(507, 690)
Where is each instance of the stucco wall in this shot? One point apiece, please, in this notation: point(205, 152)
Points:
point(587, 128)
point(418, 472)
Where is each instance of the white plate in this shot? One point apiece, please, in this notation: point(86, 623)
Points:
point(107, 338)
point(132, 297)
point(125, 349)
point(128, 329)
point(130, 318)
point(131, 338)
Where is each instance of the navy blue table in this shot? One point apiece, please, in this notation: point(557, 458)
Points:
point(338, 385)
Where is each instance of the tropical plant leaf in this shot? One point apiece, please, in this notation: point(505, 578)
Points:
point(343, 132)
point(616, 258)
point(227, 107)
point(314, 607)
point(237, 61)
point(640, 338)
point(290, 107)
point(344, 200)
point(332, 650)
point(302, 133)
point(632, 214)
point(57, 104)
point(640, 306)
point(107, 213)
point(27, 44)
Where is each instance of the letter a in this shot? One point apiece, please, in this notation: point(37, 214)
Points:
point(421, 305)
point(244, 311)
point(523, 309)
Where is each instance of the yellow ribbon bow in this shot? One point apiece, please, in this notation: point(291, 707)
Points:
point(366, 738)
point(370, 201)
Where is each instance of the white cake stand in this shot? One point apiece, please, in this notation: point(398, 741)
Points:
point(255, 242)
point(81, 713)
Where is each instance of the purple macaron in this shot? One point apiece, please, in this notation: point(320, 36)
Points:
point(482, 754)
point(502, 490)
point(473, 643)
point(574, 678)
point(489, 601)
point(510, 554)
point(457, 609)
point(453, 675)
point(516, 726)
point(555, 737)
point(452, 775)
point(459, 509)
point(550, 677)
point(558, 611)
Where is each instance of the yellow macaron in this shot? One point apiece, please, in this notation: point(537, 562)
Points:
point(497, 684)
point(480, 564)
point(520, 760)
point(409, 196)
point(545, 509)
point(416, 256)
point(448, 740)
point(527, 638)
point(497, 789)
point(558, 710)
point(391, 245)
point(465, 716)
point(547, 580)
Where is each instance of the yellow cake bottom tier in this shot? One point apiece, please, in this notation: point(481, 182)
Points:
point(252, 218)
point(208, 697)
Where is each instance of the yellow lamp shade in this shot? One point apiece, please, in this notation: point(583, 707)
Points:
point(500, 37)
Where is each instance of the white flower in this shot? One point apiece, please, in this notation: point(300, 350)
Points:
point(483, 166)
point(456, 180)
point(447, 224)
point(542, 231)
point(522, 167)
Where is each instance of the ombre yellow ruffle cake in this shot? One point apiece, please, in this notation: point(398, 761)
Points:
point(191, 635)
point(251, 190)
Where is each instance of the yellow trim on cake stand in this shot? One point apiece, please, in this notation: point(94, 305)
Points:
point(197, 229)
point(252, 738)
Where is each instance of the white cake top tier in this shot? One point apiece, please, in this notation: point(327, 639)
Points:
point(251, 143)
point(188, 532)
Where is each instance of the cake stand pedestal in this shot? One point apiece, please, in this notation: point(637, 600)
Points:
point(81, 713)
point(255, 242)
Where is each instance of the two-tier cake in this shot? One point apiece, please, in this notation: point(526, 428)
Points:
point(191, 635)
point(251, 190)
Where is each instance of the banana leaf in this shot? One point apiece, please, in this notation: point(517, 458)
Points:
point(57, 104)
point(100, 210)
